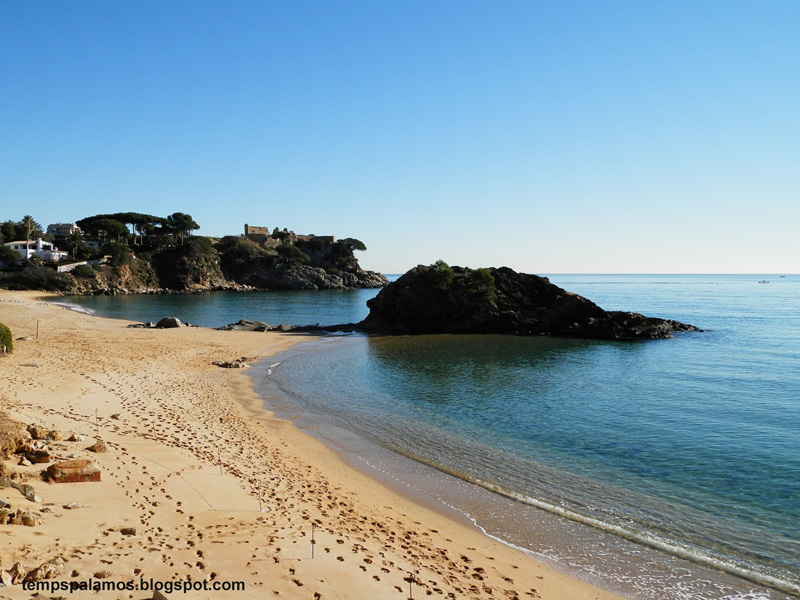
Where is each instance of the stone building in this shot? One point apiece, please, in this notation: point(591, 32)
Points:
point(256, 234)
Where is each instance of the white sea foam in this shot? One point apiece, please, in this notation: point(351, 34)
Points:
point(693, 554)
point(74, 307)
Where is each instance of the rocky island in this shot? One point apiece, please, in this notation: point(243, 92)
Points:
point(443, 299)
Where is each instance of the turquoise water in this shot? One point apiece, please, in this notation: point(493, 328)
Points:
point(687, 445)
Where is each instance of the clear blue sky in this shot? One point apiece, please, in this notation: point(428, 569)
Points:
point(554, 136)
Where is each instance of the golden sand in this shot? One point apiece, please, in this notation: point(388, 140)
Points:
point(216, 488)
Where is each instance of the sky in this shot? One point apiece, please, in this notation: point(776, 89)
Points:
point(548, 136)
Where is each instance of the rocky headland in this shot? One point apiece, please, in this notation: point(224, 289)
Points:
point(200, 264)
point(443, 299)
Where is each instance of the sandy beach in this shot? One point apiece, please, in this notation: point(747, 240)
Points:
point(215, 488)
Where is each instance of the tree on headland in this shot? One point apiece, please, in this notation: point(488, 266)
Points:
point(8, 231)
point(137, 223)
point(30, 226)
point(76, 245)
point(103, 227)
point(182, 224)
point(353, 244)
point(111, 229)
point(140, 223)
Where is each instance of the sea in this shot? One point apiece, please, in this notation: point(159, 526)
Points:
point(664, 469)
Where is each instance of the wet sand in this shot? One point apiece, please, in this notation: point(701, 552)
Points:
point(216, 488)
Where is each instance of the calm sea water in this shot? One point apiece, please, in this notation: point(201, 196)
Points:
point(214, 309)
point(666, 455)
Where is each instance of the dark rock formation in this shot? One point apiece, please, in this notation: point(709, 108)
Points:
point(245, 325)
point(293, 276)
point(440, 299)
point(164, 323)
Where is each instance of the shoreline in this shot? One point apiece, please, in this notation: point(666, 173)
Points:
point(632, 565)
point(186, 422)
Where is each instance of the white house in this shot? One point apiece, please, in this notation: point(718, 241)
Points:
point(44, 250)
point(63, 229)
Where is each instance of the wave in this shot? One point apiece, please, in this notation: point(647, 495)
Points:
point(74, 307)
point(692, 553)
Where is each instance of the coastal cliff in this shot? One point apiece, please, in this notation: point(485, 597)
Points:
point(200, 264)
point(443, 299)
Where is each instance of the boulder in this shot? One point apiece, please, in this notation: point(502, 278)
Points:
point(169, 323)
point(38, 456)
point(99, 447)
point(73, 471)
point(239, 363)
point(38, 432)
point(27, 518)
point(47, 570)
point(128, 531)
point(26, 490)
point(17, 573)
point(245, 325)
point(233, 364)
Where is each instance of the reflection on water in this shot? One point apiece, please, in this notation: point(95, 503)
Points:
point(601, 431)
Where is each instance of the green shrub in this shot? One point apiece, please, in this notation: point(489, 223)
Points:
point(40, 278)
point(198, 246)
point(441, 275)
point(291, 253)
point(346, 263)
point(120, 253)
point(236, 250)
point(83, 272)
point(482, 284)
point(6, 339)
point(9, 256)
point(145, 273)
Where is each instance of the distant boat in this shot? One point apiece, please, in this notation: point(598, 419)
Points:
point(783, 275)
point(763, 281)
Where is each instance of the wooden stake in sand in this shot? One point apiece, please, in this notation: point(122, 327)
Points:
point(313, 529)
point(219, 459)
point(37, 330)
point(410, 580)
point(96, 424)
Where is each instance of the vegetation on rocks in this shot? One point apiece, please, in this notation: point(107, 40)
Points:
point(138, 253)
point(6, 340)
